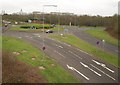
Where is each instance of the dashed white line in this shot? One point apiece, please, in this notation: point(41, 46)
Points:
point(117, 51)
point(39, 36)
point(26, 36)
point(59, 53)
point(102, 72)
point(19, 37)
point(72, 68)
point(75, 55)
point(59, 46)
point(66, 44)
point(90, 68)
point(84, 52)
point(103, 65)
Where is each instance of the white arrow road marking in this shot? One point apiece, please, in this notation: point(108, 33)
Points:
point(75, 54)
point(72, 68)
point(103, 65)
point(59, 53)
point(90, 69)
point(103, 72)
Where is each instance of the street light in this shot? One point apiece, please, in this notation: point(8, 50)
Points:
point(44, 23)
point(58, 21)
point(103, 44)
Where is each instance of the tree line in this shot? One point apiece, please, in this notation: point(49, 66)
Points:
point(110, 22)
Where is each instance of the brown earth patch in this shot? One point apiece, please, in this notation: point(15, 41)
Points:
point(14, 71)
point(110, 30)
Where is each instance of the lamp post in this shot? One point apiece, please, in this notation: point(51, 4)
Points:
point(103, 44)
point(58, 21)
point(44, 23)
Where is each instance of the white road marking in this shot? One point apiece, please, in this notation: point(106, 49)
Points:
point(117, 51)
point(66, 44)
point(103, 72)
point(75, 54)
point(39, 36)
point(19, 37)
point(26, 36)
point(72, 68)
point(103, 65)
point(36, 34)
point(59, 46)
point(60, 42)
point(84, 52)
point(90, 69)
point(59, 53)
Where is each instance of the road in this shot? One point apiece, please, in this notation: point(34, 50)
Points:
point(84, 66)
point(79, 32)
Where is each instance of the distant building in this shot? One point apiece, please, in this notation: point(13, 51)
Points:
point(62, 13)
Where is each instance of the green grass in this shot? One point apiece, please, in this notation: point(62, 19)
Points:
point(37, 26)
point(71, 39)
point(18, 28)
point(54, 74)
point(101, 34)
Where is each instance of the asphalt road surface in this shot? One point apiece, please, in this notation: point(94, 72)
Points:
point(79, 32)
point(84, 66)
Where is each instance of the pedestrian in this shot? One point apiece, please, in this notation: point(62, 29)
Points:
point(97, 42)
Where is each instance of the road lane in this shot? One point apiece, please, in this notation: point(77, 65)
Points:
point(79, 32)
point(70, 58)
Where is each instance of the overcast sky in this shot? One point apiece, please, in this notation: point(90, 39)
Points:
point(80, 7)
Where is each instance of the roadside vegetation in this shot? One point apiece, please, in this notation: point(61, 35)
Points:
point(14, 71)
point(71, 39)
point(33, 27)
point(102, 34)
point(24, 52)
point(111, 23)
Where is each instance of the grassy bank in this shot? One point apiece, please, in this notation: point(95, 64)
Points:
point(101, 34)
point(48, 68)
point(71, 39)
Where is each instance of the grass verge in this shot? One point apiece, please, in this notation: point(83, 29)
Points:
point(73, 40)
point(48, 68)
point(101, 34)
point(18, 28)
